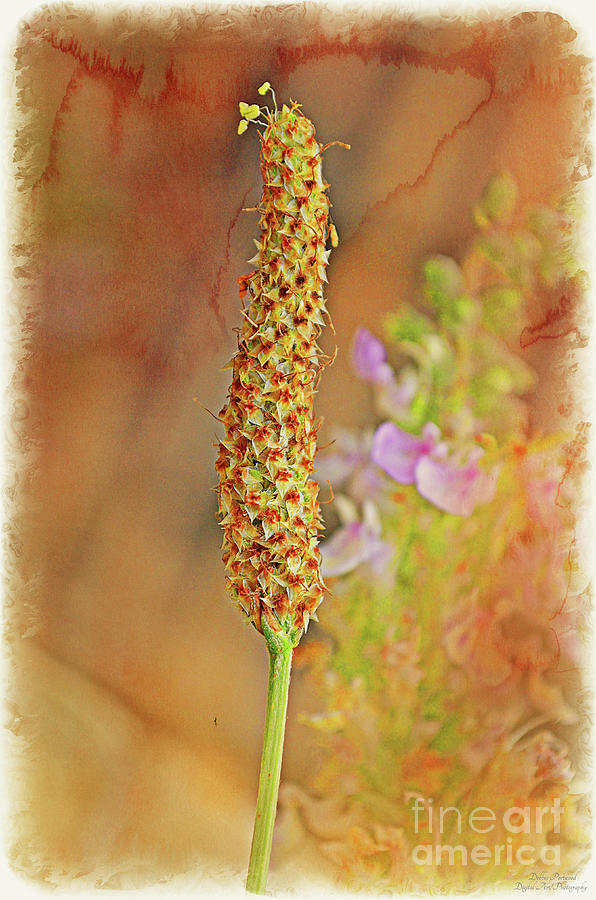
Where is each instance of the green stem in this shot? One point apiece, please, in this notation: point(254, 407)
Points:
point(280, 663)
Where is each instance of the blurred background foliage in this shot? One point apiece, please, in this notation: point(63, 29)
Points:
point(450, 666)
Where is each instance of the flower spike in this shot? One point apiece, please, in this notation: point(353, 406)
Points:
point(268, 503)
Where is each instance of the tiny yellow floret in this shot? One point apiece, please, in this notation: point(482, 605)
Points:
point(249, 112)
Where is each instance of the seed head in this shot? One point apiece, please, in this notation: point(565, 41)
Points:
point(268, 504)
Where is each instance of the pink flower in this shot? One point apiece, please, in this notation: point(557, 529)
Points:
point(357, 542)
point(448, 485)
point(452, 488)
point(550, 757)
point(499, 643)
point(394, 398)
point(370, 358)
point(398, 453)
point(347, 465)
point(351, 545)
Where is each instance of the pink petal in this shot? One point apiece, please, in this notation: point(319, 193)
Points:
point(369, 358)
point(394, 398)
point(350, 546)
point(452, 488)
point(344, 550)
point(398, 453)
point(340, 461)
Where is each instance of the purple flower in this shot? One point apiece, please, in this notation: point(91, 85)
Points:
point(448, 485)
point(398, 453)
point(357, 542)
point(370, 358)
point(347, 465)
point(452, 488)
point(346, 454)
point(394, 398)
point(351, 545)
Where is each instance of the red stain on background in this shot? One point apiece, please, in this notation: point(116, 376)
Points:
point(558, 322)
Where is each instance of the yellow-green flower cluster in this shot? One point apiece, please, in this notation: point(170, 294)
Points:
point(267, 500)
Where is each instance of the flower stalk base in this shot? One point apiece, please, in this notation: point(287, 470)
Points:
point(280, 663)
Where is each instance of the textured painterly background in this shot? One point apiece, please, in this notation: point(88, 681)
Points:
point(138, 692)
